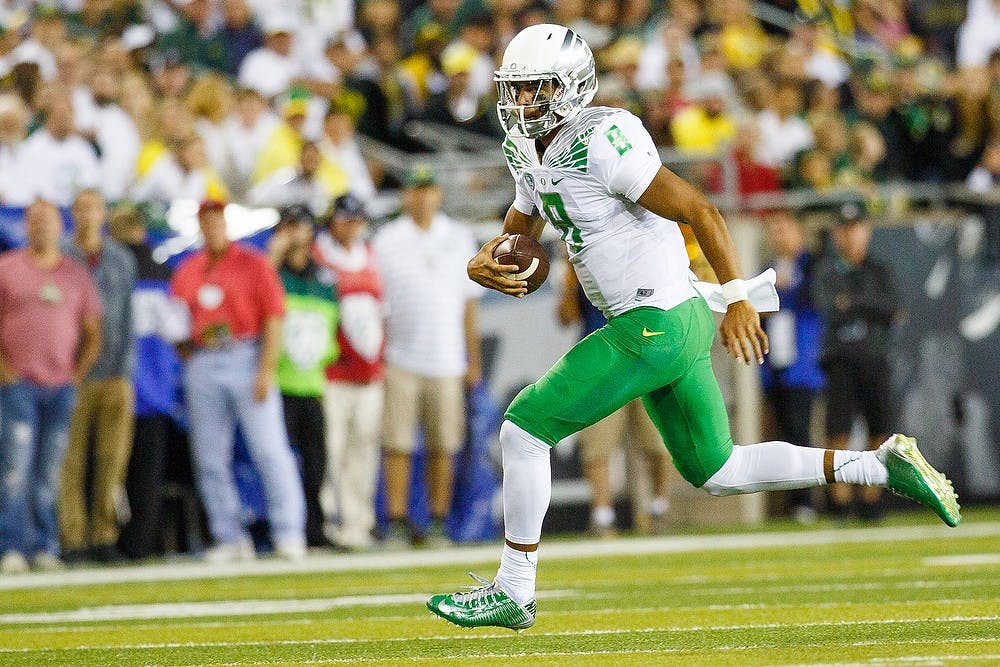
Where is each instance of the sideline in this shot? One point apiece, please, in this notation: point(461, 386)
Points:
point(465, 556)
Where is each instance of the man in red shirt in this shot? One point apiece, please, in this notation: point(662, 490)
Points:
point(354, 393)
point(50, 337)
point(236, 304)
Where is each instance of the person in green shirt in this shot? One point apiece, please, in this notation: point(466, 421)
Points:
point(309, 344)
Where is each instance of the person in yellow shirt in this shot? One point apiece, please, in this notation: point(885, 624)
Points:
point(705, 126)
point(283, 149)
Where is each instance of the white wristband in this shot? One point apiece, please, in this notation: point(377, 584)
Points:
point(734, 290)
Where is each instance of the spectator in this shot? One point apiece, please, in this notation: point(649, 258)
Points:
point(665, 105)
point(283, 145)
point(50, 337)
point(705, 126)
point(245, 134)
point(741, 38)
point(114, 134)
point(156, 383)
point(239, 35)
point(873, 99)
point(673, 40)
point(815, 171)
point(811, 54)
point(432, 348)
point(199, 179)
point(791, 374)
point(308, 345)
point(236, 305)
point(193, 37)
point(856, 297)
point(630, 426)
point(101, 426)
point(868, 155)
point(312, 184)
point(783, 132)
point(354, 390)
point(58, 162)
point(833, 139)
point(272, 69)
point(171, 74)
point(458, 104)
point(339, 146)
point(13, 129)
point(210, 101)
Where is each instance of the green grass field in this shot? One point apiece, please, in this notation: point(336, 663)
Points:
point(909, 593)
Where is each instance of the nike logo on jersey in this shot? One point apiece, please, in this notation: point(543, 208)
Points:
point(647, 333)
point(556, 181)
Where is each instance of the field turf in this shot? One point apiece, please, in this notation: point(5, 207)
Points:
point(911, 592)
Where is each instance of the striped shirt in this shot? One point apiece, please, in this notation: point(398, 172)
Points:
point(426, 289)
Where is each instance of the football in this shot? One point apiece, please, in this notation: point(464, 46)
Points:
point(529, 256)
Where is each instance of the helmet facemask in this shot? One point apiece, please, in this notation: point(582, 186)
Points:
point(547, 77)
point(521, 118)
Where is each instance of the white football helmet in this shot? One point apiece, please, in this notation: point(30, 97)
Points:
point(557, 67)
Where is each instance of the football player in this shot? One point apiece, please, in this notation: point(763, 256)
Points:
point(595, 175)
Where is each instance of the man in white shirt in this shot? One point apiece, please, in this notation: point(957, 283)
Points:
point(783, 133)
point(432, 348)
point(271, 69)
point(115, 134)
point(58, 163)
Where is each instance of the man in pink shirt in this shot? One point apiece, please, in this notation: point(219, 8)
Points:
point(50, 336)
point(236, 303)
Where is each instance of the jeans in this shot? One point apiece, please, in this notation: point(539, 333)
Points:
point(34, 431)
point(219, 389)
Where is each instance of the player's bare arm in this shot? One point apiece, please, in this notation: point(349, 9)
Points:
point(486, 271)
point(672, 197)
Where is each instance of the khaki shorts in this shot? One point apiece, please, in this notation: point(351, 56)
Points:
point(436, 404)
point(629, 426)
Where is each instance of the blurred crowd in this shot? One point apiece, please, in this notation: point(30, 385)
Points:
point(165, 99)
point(328, 351)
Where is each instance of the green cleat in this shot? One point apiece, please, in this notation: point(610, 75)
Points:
point(911, 476)
point(485, 605)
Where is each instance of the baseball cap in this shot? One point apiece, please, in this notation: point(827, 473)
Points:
point(850, 213)
point(211, 205)
point(296, 213)
point(279, 22)
point(420, 175)
point(346, 206)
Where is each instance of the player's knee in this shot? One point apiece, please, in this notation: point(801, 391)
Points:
point(515, 442)
point(728, 480)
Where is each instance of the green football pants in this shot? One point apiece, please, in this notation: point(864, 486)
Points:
point(662, 356)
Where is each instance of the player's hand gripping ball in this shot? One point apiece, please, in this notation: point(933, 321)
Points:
point(529, 256)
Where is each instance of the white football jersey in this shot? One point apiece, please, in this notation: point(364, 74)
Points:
point(586, 186)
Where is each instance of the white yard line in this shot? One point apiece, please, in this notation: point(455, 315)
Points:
point(237, 608)
point(962, 560)
point(478, 636)
point(489, 553)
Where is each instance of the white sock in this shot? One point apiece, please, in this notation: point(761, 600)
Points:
point(859, 468)
point(768, 466)
point(527, 489)
point(658, 506)
point(516, 575)
point(602, 516)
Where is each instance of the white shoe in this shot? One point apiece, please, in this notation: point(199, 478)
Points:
point(13, 562)
point(293, 548)
point(46, 562)
point(230, 552)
